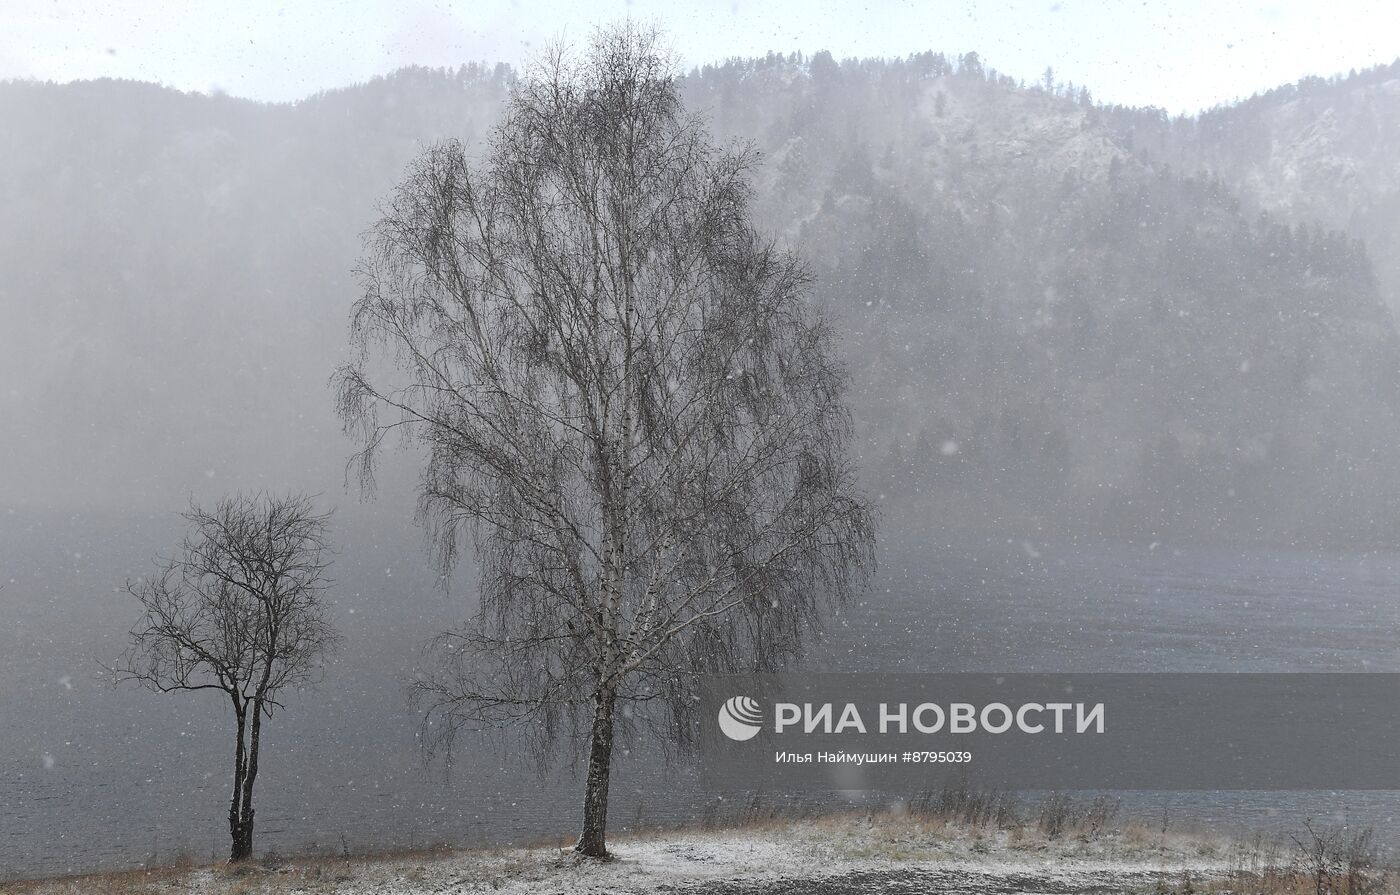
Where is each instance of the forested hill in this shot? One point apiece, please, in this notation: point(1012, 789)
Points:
point(1323, 150)
point(1054, 323)
point(1044, 318)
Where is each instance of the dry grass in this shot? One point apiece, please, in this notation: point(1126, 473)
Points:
point(123, 882)
point(949, 828)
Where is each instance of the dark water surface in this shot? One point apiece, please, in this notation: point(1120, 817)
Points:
point(93, 776)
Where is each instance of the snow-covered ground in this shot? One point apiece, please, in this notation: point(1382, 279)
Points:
point(835, 855)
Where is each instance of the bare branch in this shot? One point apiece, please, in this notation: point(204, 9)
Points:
point(624, 398)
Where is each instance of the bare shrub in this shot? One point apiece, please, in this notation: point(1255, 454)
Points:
point(1098, 815)
point(959, 802)
point(1056, 814)
point(1334, 860)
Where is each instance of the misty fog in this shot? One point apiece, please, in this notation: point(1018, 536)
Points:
point(1162, 327)
point(1145, 365)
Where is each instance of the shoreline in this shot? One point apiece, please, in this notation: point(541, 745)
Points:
point(835, 853)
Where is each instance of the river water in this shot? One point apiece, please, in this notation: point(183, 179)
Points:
point(93, 776)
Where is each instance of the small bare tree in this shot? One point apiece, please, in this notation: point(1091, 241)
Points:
point(624, 397)
point(239, 610)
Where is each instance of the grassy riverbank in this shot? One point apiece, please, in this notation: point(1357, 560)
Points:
point(904, 851)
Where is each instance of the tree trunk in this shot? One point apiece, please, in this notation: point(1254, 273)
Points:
point(243, 839)
point(239, 828)
point(593, 840)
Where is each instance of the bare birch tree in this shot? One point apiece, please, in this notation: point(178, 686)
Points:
point(239, 611)
point(625, 400)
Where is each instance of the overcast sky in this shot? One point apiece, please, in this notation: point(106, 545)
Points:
point(1179, 55)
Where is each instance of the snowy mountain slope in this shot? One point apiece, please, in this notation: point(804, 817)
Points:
point(1047, 324)
point(1322, 150)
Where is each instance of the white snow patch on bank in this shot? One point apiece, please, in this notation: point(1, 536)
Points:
point(821, 852)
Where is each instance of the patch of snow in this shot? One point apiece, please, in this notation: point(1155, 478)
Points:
point(834, 854)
